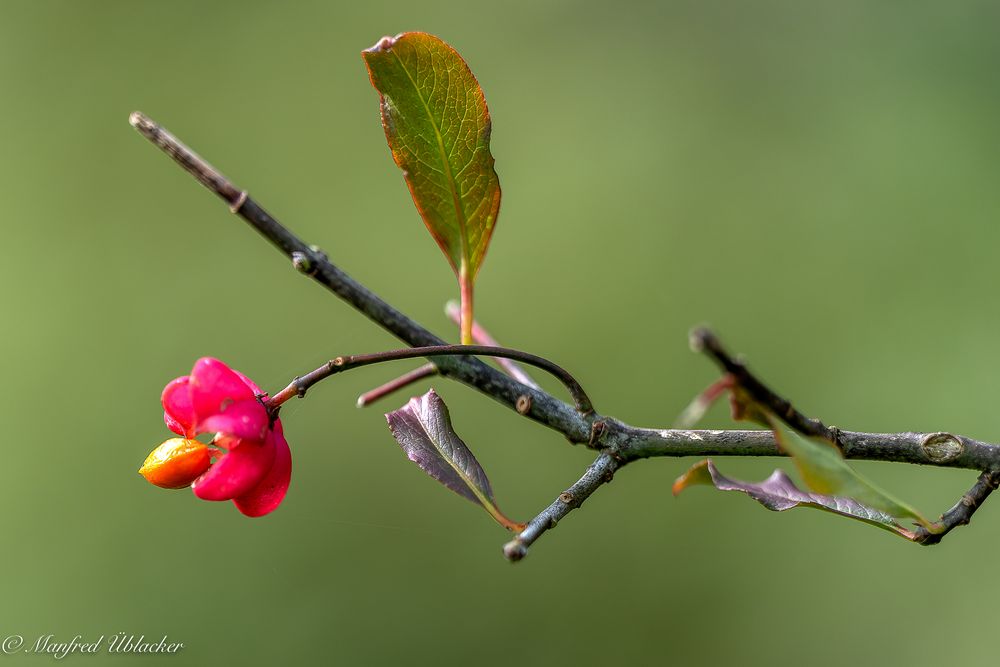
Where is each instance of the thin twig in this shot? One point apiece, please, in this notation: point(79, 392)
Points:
point(703, 340)
point(481, 336)
point(962, 512)
point(395, 384)
point(300, 385)
point(600, 472)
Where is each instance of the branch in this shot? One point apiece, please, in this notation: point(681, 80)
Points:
point(600, 472)
point(311, 261)
point(937, 449)
point(703, 340)
point(300, 385)
point(479, 336)
point(394, 385)
point(962, 512)
point(619, 443)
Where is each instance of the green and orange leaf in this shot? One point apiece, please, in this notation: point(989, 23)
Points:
point(438, 127)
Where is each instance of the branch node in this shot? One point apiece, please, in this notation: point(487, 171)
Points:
point(302, 263)
point(597, 431)
point(566, 497)
point(300, 389)
point(523, 405)
point(240, 200)
point(941, 447)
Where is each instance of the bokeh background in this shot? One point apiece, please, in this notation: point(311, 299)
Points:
point(816, 180)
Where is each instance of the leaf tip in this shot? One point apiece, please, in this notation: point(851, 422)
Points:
point(699, 473)
point(384, 45)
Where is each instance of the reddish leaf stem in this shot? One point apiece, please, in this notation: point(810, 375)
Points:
point(481, 336)
point(394, 385)
point(702, 402)
point(465, 325)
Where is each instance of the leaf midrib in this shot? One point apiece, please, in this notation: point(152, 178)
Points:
point(484, 500)
point(452, 186)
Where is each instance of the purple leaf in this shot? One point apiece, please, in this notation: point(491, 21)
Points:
point(779, 493)
point(423, 429)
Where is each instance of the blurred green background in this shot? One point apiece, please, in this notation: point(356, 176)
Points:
point(816, 180)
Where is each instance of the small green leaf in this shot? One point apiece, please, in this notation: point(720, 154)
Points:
point(820, 463)
point(825, 471)
point(423, 429)
point(778, 493)
point(438, 128)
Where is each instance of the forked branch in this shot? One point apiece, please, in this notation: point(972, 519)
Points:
point(617, 442)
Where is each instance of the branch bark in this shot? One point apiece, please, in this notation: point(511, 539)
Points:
point(619, 443)
point(962, 512)
point(600, 472)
